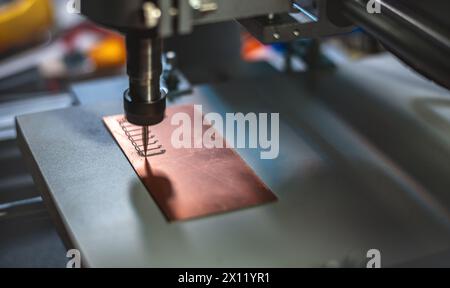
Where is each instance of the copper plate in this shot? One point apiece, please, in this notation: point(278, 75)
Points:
point(188, 183)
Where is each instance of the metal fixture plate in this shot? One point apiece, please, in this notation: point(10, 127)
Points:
point(299, 23)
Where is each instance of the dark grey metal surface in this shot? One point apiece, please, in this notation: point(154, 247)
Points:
point(124, 15)
point(405, 115)
point(300, 24)
point(253, 14)
point(418, 38)
point(15, 181)
point(29, 240)
point(338, 195)
point(237, 9)
point(27, 235)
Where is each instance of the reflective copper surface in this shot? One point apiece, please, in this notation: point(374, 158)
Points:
point(188, 183)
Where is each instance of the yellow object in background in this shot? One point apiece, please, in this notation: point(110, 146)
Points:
point(109, 53)
point(23, 20)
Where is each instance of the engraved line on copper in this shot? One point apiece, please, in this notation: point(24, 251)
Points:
point(151, 151)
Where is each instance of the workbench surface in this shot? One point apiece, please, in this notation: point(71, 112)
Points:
point(338, 195)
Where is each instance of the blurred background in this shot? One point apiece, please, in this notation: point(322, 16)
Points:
point(43, 49)
point(46, 51)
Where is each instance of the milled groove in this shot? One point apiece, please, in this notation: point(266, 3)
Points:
point(153, 148)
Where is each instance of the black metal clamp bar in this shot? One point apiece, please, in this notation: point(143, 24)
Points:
point(421, 42)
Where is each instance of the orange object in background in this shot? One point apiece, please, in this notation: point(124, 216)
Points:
point(109, 53)
point(23, 20)
point(251, 48)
